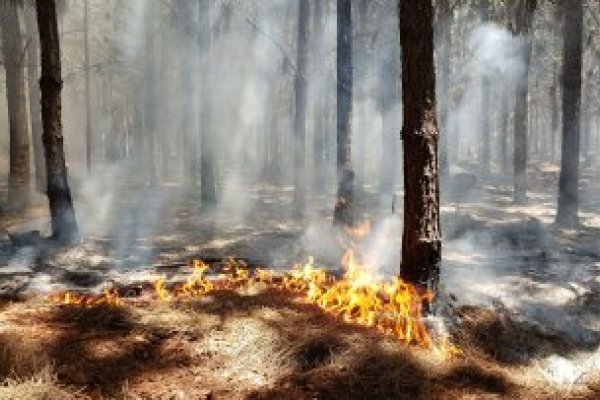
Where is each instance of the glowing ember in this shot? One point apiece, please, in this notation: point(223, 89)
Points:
point(360, 296)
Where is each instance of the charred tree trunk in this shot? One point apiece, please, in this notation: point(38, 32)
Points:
point(16, 99)
point(208, 179)
point(343, 214)
point(566, 215)
point(525, 9)
point(35, 111)
point(62, 213)
point(421, 239)
point(300, 85)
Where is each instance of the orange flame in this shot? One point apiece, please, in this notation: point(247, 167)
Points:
point(361, 296)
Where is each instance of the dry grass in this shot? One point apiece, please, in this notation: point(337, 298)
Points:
point(263, 345)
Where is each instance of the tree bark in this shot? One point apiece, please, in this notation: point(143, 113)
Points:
point(35, 111)
point(300, 85)
point(208, 181)
point(16, 98)
point(568, 200)
point(421, 239)
point(525, 10)
point(62, 213)
point(343, 214)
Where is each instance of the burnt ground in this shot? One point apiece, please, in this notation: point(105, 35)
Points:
point(521, 298)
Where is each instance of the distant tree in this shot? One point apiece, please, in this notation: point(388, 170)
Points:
point(486, 154)
point(88, 109)
point(345, 195)
point(524, 21)
point(421, 238)
point(62, 213)
point(35, 111)
point(568, 201)
point(300, 95)
point(208, 179)
point(16, 97)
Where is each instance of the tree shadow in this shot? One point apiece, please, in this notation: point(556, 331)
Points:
point(101, 348)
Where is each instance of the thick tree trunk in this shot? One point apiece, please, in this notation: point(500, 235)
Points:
point(345, 175)
point(16, 99)
point(35, 111)
point(208, 180)
point(568, 200)
point(62, 213)
point(421, 238)
point(300, 85)
point(525, 9)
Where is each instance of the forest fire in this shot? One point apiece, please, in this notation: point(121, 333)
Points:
point(360, 296)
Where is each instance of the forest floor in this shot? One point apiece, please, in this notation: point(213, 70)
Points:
point(520, 297)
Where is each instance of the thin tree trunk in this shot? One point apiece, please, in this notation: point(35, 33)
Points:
point(485, 104)
point(208, 181)
point(525, 10)
point(503, 131)
point(554, 117)
point(300, 85)
point(62, 213)
point(149, 93)
point(568, 197)
point(189, 144)
point(343, 214)
point(88, 109)
point(35, 111)
point(421, 238)
point(319, 103)
point(16, 98)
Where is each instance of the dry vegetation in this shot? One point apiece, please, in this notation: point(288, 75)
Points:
point(257, 345)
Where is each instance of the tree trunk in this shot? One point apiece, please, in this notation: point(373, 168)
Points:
point(35, 111)
point(208, 181)
point(16, 99)
point(525, 9)
point(62, 213)
point(554, 117)
point(421, 238)
point(566, 215)
point(319, 102)
point(486, 157)
point(300, 110)
point(88, 109)
point(345, 195)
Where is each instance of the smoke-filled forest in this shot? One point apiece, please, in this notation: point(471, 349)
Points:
point(299, 199)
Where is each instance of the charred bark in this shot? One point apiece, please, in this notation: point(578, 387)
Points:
point(568, 198)
point(16, 99)
point(62, 213)
point(343, 214)
point(421, 239)
point(35, 111)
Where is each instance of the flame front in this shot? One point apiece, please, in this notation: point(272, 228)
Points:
point(360, 296)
